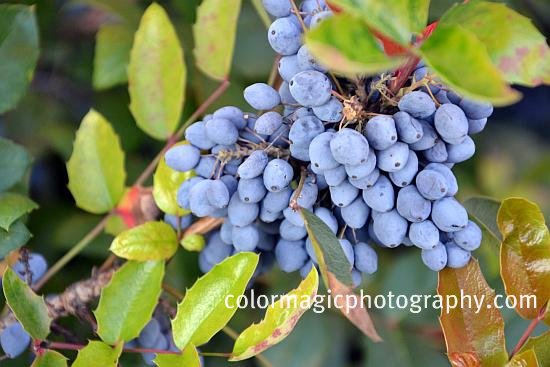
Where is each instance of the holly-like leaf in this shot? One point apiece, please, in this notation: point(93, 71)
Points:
point(527, 358)
point(96, 167)
point(18, 52)
point(470, 334)
point(50, 358)
point(518, 49)
point(524, 252)
point(128, 301)
point(336, 272)
point(28, 308)
point(97, 353)
point(461, 61)
point(149, 241)
point(156, 75)
point(17, 236)
point(280, 319)
point(14, 161)
point(346, 46)
point(12, 207)
point(166, 182)
point(188, 358)
point(396, 19)
point(211, 302)
point(214, 33)
point(112, 55)
point(539, 344)
point(484, 211)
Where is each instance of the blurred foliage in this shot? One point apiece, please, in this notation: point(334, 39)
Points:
point(513, 158)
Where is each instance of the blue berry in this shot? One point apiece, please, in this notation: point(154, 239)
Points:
point(343, 194)
point(394, 158)
point(328, 218)
point(451, 123)
point(277, 175)
point(435, 258)
point(429, 137)
point(319, 152)
point(290, 232)
point(196, 135)
point(468, 238)
point(452, 185)
point(417, 104)
point(381, 196)
point(411, 205)
point(218, 194)
point(424, 235)
point(268, 123)
point(182, 157)
point(366, 259)
point(390, 228)
point(461, 152)
point(449, 215)
point(261, 96)
point(330, 111)
point(233, 114)
point(356, 214)
point(431, 184)
point(245, 238)
point(290, 255)
point(380, 132)
point(222, 131)
point(310, 88)
point(335, 176)
point(251, 190)
point(14, 340)
point(277, 8)
point(349, 147)
point(456, 256)
point(284, 36)
point(405, 176)
point(241, 213)
point(305, 129)
point(254, 165)
point(476, 110)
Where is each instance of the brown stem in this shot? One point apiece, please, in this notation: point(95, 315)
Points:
point(529, 331)
point(294, 200)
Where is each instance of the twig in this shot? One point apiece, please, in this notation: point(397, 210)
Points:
point(294, 200)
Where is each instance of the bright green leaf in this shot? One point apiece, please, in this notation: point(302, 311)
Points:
point(156, 75)
point(280, 319)
point(540, 344)
point(188, 358)
point(468, 333)
point(518, 49)
point(524, 253)
point(29, 308)
point(97, 353)
point(50, 358)
point(527, 358)
point(17, 236)
point(149, 241)
point(214, 34)
point(346, 46)
point(18, 52)
point(396, 19)
point(461, 61)
point(211, 302)
point(14, 161)
point(128, 301)
point(12, 207)
point(112, 54)
point(96, 167)
point(166, 182)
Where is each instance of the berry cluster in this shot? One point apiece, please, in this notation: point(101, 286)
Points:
point(375, 171)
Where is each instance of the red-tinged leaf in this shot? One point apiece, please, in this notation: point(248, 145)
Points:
point(137, 206)
point(474, 337)
point(391, 48)
point(527, 358)
point(524, 254)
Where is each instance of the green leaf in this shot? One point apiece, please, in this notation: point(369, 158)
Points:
point(193, 242)
point(149, 241)
point(27, 307)
point(461, 61)
point(50, 358)
point(97, 353)
point(14, 161)
point(18, 51)
point(211, 302)
point(469, 334)
point(127, 303)
point(524, 253)
point(214, 33)
point(336, 273)
point(12, 207)
point(540, 345)
point(280, 319)
point(518, 49)
point(112, 55)
point(188, 358)
point(396, 19)
point(96, 167)
point(484, 211)
point(346, 46)
point(156, 75)
point(166, 182)
point(527, 358)
point(17, 236)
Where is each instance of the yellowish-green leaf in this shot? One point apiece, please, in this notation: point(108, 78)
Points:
point(18, 52)
point(12, 207)
point(280, 319)
point(112, 54)
point(128, 301)
point(17, 236)
point(396, 19)
point(193, 242)
point(540, 344)
point(96, 167)
point(211, 302)
point(50, 358)
point(166, 182)
point(188, 358)
point(156, 75)
point(14, 161)
point(470, 335)
point(518, 49)
point(30, 309)
point(461, 61)
point(345, 45)
point(214, 33)
point(524, 253)
point(149, 241)
point(527, 358)
point(97, 353)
